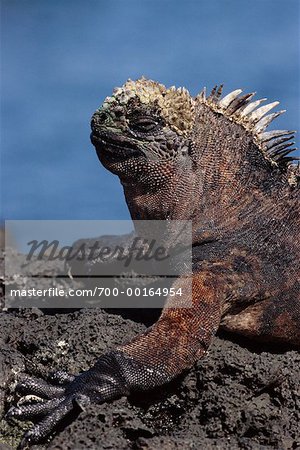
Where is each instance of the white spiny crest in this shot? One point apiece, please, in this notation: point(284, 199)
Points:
point(265, 121)
point(228, 99)
point(272, 135)
point(250, 107)
point(202, 95)
point(260, 112)
point(275, 145)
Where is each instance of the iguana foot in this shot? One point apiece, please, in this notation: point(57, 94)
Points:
point(101, 383)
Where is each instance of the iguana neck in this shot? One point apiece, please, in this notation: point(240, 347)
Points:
point(225, 170)
point(168, 200)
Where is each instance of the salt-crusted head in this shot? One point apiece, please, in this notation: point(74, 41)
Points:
point(143, 124)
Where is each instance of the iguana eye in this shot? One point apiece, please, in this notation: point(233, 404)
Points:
point(143, 124)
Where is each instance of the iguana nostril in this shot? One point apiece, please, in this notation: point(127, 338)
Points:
point(102, 116)
point(98, 119)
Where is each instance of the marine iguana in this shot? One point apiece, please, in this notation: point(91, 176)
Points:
point(206, 159)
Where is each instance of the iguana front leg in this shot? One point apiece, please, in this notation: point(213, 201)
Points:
point(174, 343)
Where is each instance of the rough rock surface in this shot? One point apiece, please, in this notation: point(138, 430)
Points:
point(240, 396)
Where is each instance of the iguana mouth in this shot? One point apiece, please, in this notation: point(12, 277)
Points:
point(116, 145)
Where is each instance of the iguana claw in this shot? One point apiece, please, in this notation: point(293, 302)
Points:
point(101, 383)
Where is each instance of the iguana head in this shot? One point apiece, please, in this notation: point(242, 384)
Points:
point(142, 127)
point(147, 133)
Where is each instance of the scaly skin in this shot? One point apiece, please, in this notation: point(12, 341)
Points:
point(210, 161)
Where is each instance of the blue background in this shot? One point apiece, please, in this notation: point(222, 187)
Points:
point(62, 58)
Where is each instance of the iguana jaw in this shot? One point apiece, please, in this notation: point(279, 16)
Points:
point(114, 146)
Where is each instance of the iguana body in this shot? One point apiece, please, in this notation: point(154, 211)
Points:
point(208, 160)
